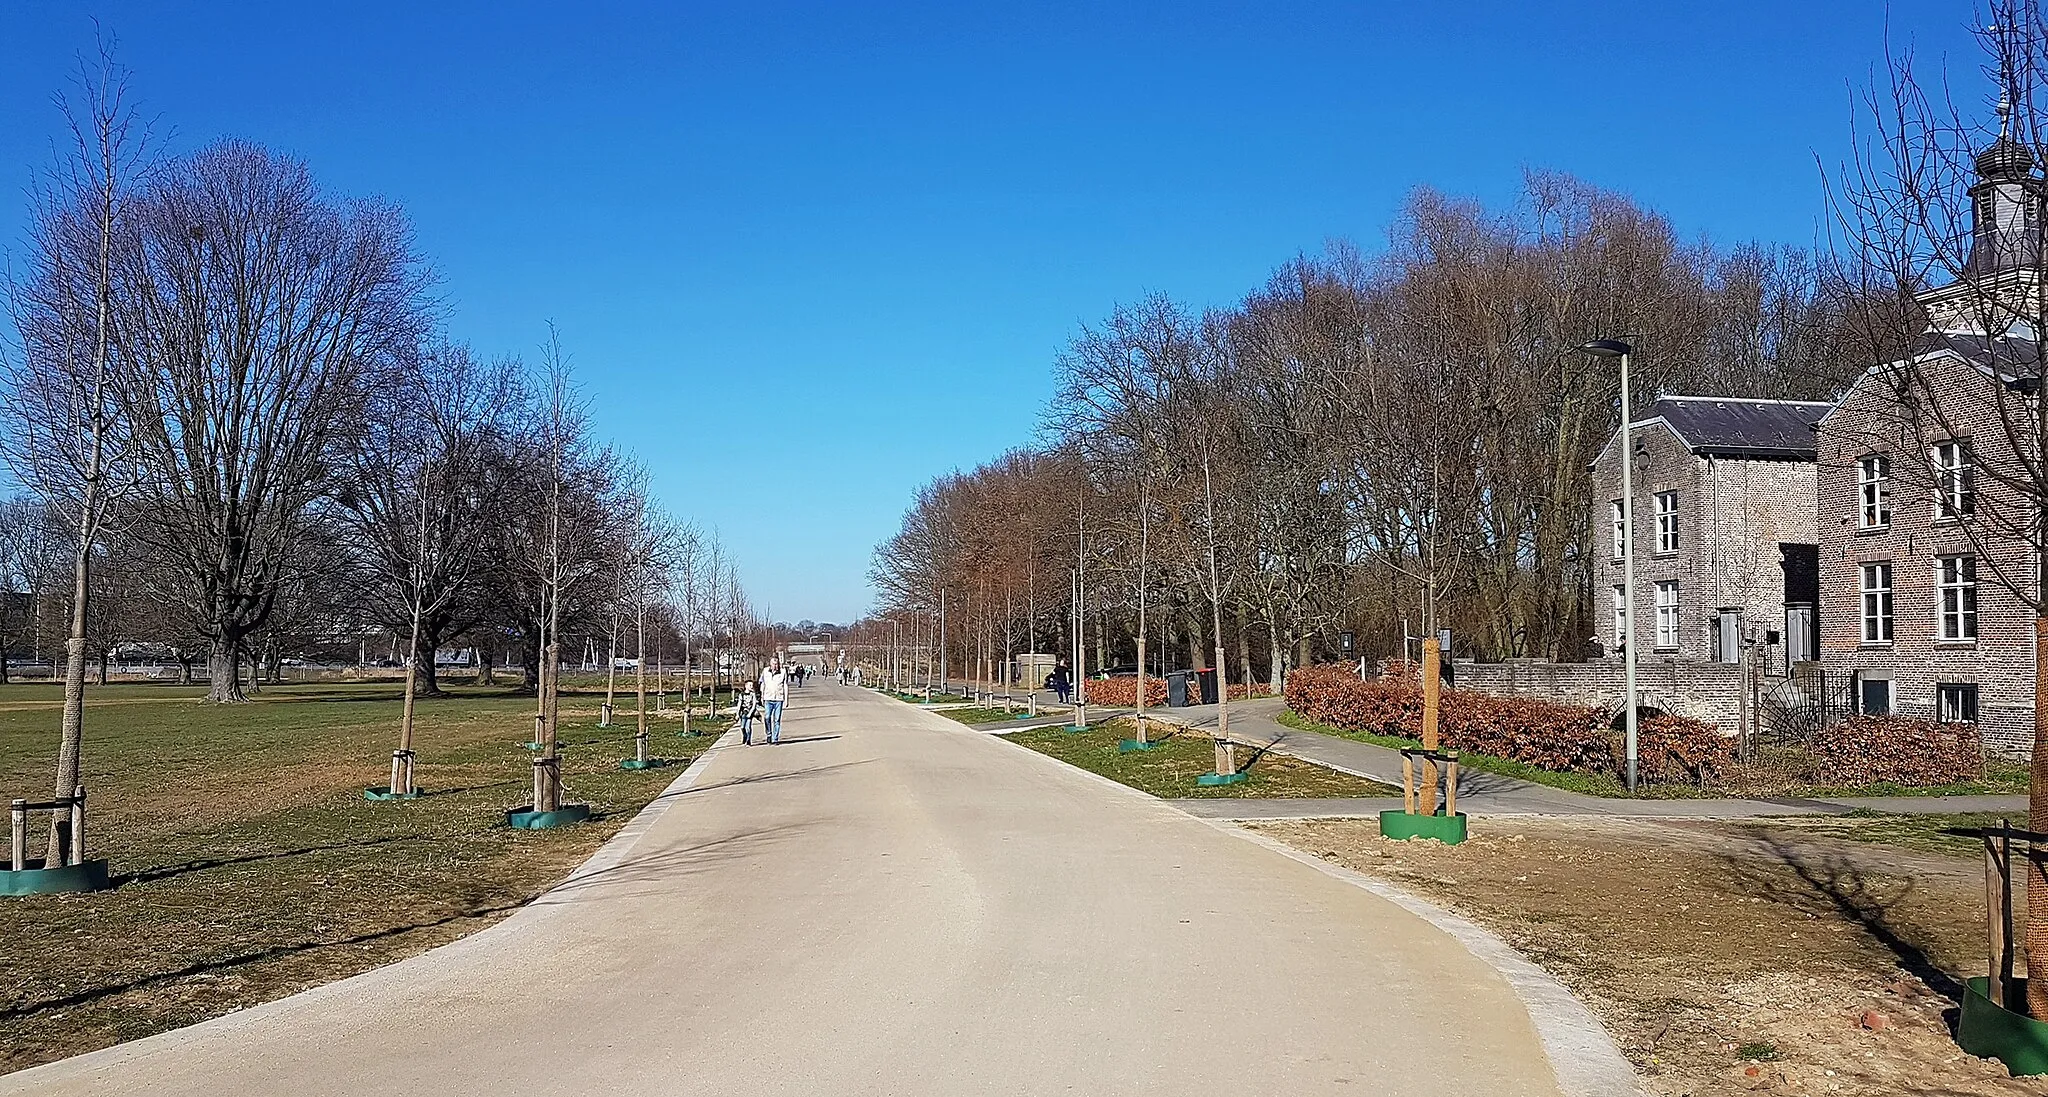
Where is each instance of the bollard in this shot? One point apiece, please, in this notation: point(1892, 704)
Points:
point(17, 820)
point(78, 826)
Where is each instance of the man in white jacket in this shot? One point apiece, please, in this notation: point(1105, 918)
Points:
point(774, 691)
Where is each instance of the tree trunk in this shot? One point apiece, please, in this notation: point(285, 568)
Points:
point(427, 680)
point(1244, 647)
point(184, 669)
point(484, 655)
point(223, 671)
point(103, 667)
point(529, 650)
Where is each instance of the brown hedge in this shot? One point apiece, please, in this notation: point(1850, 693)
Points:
point(1123, 692)
point(1863, 750)
point(1541, 733)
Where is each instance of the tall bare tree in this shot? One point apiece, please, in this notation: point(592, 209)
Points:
point(67, 432)
point(249, 311)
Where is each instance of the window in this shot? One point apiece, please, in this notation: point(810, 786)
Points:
point(1877, 603)
point(1873, 478)
point(1874, 696)
point(1667, 615)
point(1955, 488)
point(1667, 521)
point(1956, 702)
point(1620, 530)
point(1620, 617)
point(1957, 578)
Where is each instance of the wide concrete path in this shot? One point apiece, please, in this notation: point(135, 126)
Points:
point(887, 904)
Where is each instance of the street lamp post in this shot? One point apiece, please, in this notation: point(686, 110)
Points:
point(1615, 348)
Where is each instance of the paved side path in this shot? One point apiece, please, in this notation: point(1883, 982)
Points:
point(885, 905)
point(1481, 793)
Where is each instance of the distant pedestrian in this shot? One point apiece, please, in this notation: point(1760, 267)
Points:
point(749, 703)
point(1060, 681)
point(774, 693)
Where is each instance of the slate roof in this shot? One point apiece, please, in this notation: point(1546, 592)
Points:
point(1726, 426)
point(2007, 355)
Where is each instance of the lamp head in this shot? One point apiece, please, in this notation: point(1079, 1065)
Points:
point(1606, 348)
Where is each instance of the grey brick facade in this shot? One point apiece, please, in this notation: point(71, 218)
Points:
point(1926, 649)
point(1736, 514)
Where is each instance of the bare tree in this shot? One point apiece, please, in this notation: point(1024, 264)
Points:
point(66, 429)
point(250, 311)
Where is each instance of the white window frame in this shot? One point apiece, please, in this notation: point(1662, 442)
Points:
point(1873, 484)
point(1620, 616)
point(1667, 615)
point(1667, 522)
point(1955, 580)
point(1874, 590)
point(1620, 523)
point(1955, 488)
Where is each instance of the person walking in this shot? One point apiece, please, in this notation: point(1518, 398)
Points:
point(774, 692)
point(749, 703)
point(1060, 681)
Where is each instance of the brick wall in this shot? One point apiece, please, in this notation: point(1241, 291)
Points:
point(1685, 687)
point(1732, 515)
point(1958, 401)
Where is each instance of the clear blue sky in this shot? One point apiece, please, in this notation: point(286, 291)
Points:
point(767, 230)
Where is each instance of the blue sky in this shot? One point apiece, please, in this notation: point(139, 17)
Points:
point(807, 256)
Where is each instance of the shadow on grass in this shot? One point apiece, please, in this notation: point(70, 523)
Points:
point(166, 872)
point(1832, 883)
point(253, 956)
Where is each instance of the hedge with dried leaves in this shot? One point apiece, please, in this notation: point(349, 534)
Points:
point(1544, 734)
point(1863, 750)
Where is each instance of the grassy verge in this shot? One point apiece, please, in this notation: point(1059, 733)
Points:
point(982, 715)
point(2000, 777)
point(1169, 769)
point(250, 864)
point(1959, 833)
point(1593, 784)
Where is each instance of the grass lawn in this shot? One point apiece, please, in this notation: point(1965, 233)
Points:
point(251, 866)
point(982, 715)
point(1169, 769)
point(2000, 777)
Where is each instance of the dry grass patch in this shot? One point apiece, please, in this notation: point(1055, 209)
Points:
point(1726, 958)
point(251, 865)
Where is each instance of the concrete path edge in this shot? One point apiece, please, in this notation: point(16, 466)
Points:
point(609, 855)
point(1583, 1055)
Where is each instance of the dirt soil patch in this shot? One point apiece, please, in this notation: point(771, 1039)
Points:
point(1726, 958)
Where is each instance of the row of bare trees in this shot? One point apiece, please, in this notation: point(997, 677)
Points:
point(242, 436)
point(1376, 445)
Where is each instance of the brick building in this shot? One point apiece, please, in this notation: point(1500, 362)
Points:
point(1724, 531)
point(1927, 561)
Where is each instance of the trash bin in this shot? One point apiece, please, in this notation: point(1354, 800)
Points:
point(1177, 689)
point(1206, 683)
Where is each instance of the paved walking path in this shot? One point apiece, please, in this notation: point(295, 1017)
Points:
point(886, 904)
point(1481, 793)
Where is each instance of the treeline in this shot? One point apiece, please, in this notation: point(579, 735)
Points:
point(244, 437)
point(1366, 442)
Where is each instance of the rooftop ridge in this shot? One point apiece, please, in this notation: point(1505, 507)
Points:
point(1754, 400)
